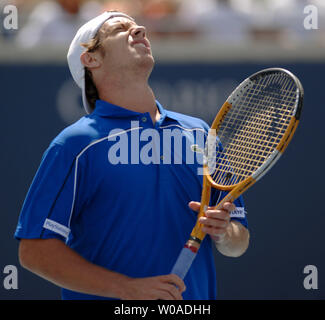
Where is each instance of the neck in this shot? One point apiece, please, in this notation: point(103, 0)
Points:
point(134, 95)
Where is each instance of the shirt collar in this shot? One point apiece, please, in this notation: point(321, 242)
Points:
point(107, 109)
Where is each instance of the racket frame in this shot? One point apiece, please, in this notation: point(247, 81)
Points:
point(197, 235)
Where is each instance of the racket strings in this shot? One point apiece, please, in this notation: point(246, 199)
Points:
point(253, 127)
point(249, 142)
point(253, 130)
point(239, 154)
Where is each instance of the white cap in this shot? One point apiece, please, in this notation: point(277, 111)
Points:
point(84, 35)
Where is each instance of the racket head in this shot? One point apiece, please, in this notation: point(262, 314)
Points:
point(253, 128)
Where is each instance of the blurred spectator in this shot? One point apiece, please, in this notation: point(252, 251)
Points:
point(281, 20)
point(159, 9)
point(159, 16)
point(55, 22)
point(292, 18)
point(132, 8)
point(215, 20)
point(262, 15)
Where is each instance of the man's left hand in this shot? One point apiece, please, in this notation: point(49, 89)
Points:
point(216, 221)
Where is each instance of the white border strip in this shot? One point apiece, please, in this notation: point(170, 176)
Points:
point(56, 227)
point(239, 212)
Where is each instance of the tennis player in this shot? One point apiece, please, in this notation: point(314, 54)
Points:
point(104, 229)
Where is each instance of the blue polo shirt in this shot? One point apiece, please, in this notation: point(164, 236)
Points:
point(115, 188)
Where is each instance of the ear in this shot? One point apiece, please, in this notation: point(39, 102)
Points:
point(90, 60)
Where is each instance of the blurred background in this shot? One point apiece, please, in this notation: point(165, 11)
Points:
point(203, 49)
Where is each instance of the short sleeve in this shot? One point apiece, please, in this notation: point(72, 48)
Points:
point(47, 208)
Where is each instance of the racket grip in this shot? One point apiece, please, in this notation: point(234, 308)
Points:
point(183, 262)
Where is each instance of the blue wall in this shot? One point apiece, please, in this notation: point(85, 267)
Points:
point(285, 210)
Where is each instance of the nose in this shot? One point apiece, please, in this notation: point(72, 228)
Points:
point(138, 31)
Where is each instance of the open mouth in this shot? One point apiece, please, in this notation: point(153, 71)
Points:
point(141, 44)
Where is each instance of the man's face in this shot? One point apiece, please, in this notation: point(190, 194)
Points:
point(125, 45)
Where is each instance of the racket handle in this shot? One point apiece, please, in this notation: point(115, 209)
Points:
point(183, 262)
point(205, 199)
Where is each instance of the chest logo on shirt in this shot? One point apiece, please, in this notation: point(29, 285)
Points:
point(196, 148)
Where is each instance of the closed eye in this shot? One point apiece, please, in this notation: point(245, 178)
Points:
point(118, 27)
point(122, 27)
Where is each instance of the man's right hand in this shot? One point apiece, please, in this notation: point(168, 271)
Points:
point(166, 287)
point(53, 260)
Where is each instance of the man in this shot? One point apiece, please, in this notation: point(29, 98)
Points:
point(104, 223)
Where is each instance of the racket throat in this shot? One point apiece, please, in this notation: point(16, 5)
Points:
point(193, 244)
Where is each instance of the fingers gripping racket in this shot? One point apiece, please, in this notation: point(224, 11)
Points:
point(249, 134)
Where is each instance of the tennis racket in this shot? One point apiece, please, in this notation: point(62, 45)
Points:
point(249, 134)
